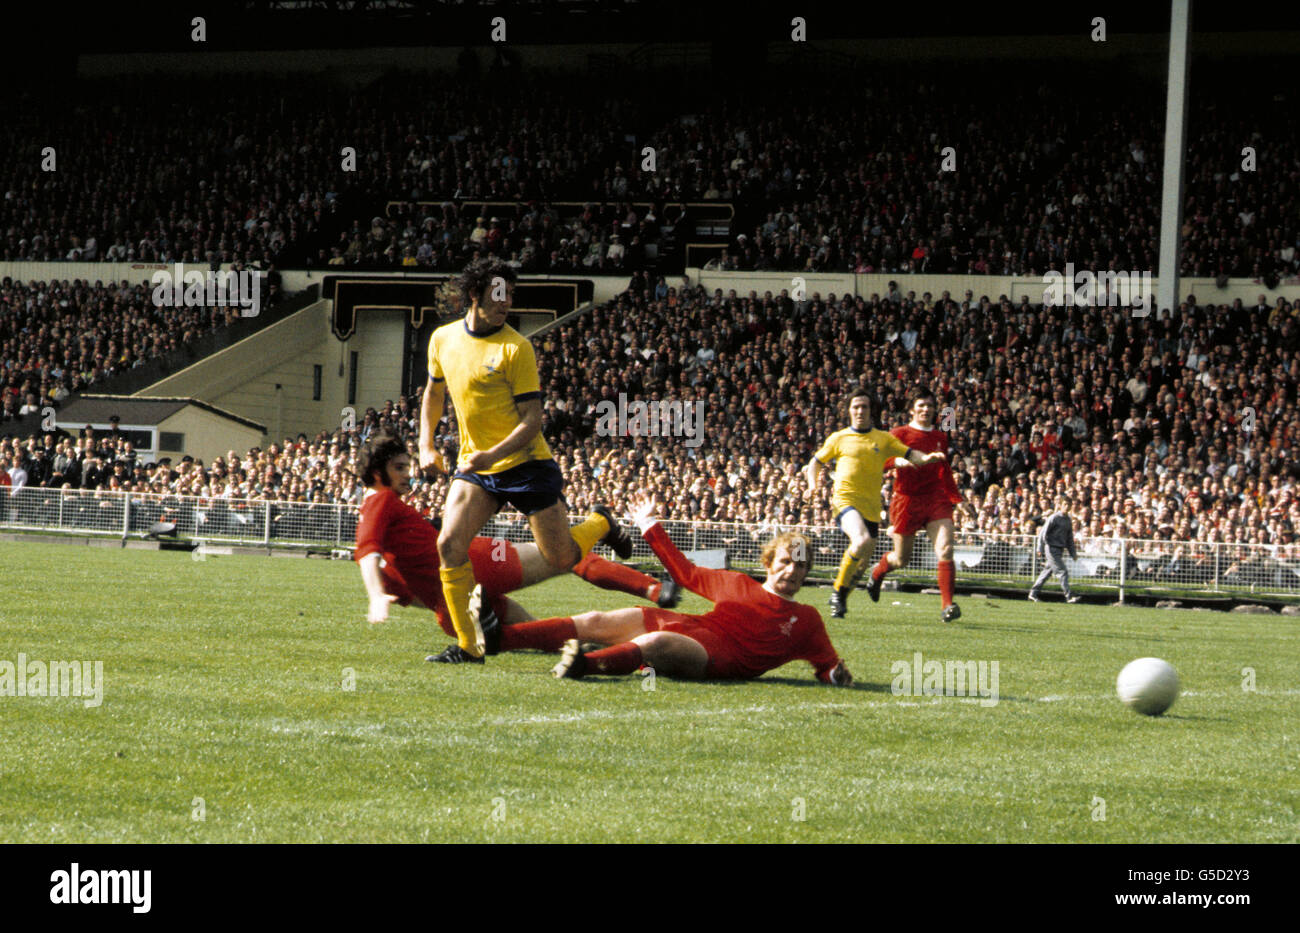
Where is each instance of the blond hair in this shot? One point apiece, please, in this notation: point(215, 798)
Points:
point(790, 540)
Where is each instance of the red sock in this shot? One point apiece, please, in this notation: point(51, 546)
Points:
point(542, 635)
point(878, 572)
point(947, 577)
point(620, 659)
point(611, 576)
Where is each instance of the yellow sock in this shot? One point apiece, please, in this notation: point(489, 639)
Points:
point(848, 569)
point(859, 570)
point(587, 534)
point(457, 584)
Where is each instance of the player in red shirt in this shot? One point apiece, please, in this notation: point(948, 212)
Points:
point(408, 544)
point(923, 498)
point(752, 628)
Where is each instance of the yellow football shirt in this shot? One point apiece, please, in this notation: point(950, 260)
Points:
point(860, 470)
point(485, 375)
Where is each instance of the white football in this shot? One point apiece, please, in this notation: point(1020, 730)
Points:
point(1148, 686)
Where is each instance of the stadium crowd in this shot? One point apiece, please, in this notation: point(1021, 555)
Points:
point(852, 179)
point(1142, 423)
point(837, 176)
point(1176, 427)
point(600, 239)
point(138, 179)
point(61, 336)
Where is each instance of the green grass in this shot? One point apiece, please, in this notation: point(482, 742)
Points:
point(223, 680)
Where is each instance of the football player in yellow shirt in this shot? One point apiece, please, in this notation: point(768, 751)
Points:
point(861, 452)
point(489, 370)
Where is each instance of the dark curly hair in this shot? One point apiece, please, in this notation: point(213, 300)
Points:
point(375, 456)
point(473, 283)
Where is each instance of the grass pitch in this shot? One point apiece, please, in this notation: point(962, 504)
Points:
point(225, 718)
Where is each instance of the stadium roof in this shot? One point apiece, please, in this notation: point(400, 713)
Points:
point(131, 409)
point(162, 26)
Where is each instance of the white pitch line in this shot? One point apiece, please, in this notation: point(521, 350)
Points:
point(375, 730)
point(1221, 694)
point(668, 713)
point(746, 710)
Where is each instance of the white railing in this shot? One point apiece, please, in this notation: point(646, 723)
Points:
point(233, 521)
point(1111, 564)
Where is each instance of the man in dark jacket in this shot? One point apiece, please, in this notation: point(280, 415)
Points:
point(1055, 538)
point(94, 475)
point(38, 468)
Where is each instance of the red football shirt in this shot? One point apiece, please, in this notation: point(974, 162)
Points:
point(931, 479)
point(405, 538)
point(765, 629)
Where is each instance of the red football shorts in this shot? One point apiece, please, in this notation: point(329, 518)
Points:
point(496, 568)
point(724, 664)
point(910, 514)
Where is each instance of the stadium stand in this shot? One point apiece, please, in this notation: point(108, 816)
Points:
point(62, 336)
point(824, 176)
point(1140, 422)
point(1133, 419)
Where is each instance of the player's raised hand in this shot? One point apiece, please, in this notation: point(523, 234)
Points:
point(642, 510)
point(379, 607)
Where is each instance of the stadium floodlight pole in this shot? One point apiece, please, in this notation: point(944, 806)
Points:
point(1171, 195)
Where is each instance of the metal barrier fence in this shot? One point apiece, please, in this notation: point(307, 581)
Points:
point(201, 519)
point(1104, 564)
point(1115, 564)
